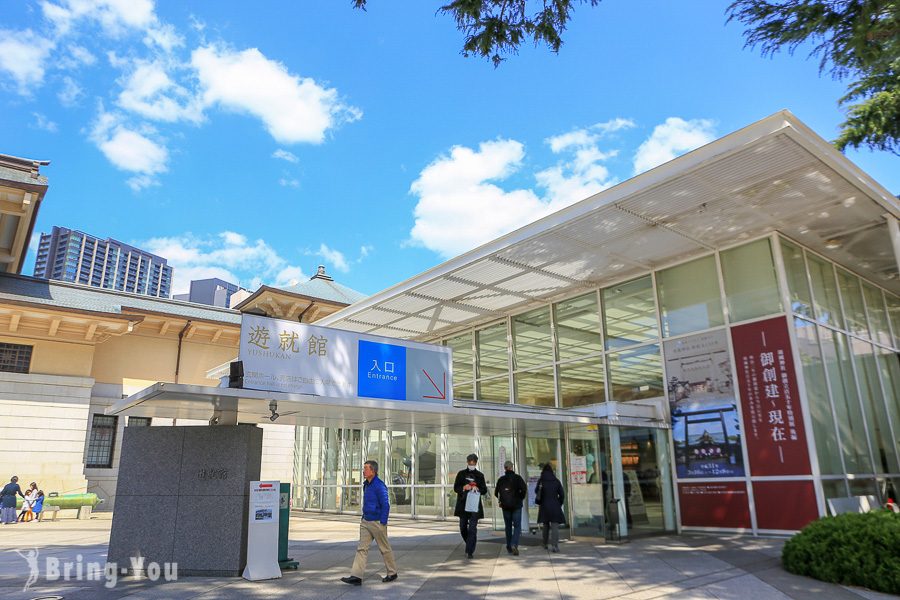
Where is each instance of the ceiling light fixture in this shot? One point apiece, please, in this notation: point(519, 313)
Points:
point(832, 244)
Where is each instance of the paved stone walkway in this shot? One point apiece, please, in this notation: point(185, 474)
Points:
point(433, 565)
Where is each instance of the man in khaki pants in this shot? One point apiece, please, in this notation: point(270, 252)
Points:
point(376, 507)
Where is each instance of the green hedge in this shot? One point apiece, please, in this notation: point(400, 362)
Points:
point(849, 549)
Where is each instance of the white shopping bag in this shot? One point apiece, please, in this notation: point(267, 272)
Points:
point(472, 501)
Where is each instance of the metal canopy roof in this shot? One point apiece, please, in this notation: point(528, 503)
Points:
point(182, 401)
point(774, 175)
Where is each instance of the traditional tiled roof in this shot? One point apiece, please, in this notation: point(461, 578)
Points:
point(325, 289)
point(72, 296)
point(22, 170)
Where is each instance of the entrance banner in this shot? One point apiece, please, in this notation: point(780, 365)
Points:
point(716, 504)
point(705, 422)
point(286, 356)
point(773, 421)
point(785, 505)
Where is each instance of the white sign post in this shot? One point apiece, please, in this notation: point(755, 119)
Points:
point(262, 532)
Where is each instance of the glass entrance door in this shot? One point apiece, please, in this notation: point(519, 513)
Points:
point(646, 499)
point(587, 467)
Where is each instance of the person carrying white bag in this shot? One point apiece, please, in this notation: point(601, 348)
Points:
point(469, 486)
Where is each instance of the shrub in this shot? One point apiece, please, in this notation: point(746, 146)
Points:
point(849, 549)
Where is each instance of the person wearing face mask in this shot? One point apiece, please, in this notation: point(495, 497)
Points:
point(469, 487)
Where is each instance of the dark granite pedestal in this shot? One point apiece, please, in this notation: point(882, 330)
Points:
point(182, 498)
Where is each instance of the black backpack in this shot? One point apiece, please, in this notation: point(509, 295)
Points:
point(507, 493)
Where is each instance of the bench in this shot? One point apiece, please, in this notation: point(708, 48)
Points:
point(53, 510)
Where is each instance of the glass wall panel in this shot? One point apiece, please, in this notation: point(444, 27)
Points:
point(636, 374)
point(845, 400)
point(532, 341)
point(400, 464)
point(817, 395)
point(874, 407)
point(351, 499)
point(376, 449)
point(332, 454)
point(316, 454)
point(354, 456)
point(878, 318)
point(834, 488)
point(863, 487)
point(578, 327)
point(581, 383)
point(464, 392)
point(893, 308)
point(689, 297)
point(535, 388)
point(458, 448)
point(798, 284)
point(492, 351)
point(851, 294)
point(751, 286)
point(494, 390)
point(429, 501)
point(428, 463)
point(889, 369)
point(825, 295)
point(629, 313)
point(463, 367)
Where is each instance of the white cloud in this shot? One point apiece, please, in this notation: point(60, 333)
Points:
point(365, 251)
point(130, 150)
point(289, 182)
point(42, 122)
point(227, 255)
point(75, 57)
point(114, 16)
point(151, 93)
point(294, 109)
point(285, 155)
point(164, 36)
point(70, 92)
point(670, 139)
point(460, 208)
point(23, 56)
point(335, 257)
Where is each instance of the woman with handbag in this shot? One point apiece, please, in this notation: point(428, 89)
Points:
point(549, 497)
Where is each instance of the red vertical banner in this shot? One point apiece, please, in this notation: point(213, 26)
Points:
point(770, 399)
point(785, 505)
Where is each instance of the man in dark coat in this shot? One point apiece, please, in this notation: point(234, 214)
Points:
point(469, 480)
point(511, 491)
point(550, 496)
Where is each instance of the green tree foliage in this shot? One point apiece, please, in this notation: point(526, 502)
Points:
point(496, 28)
point(856, 40)
point(850, 549)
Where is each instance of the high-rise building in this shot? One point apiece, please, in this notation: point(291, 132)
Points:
point(69, 255)
point(213, 291)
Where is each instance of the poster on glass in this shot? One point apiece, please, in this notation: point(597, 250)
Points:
point(705, 425)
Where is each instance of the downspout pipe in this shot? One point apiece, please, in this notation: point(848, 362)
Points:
point(178, 356)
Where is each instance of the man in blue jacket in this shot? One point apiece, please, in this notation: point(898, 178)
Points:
point(376, 507)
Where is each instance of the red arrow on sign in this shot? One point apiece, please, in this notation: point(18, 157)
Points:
point(442, 392)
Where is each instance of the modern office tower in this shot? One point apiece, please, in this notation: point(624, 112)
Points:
point(69, 255)
point(213, 291)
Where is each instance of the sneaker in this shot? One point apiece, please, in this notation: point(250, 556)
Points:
point(389, 578)
point(352, 580)
point(469, 555)
point(509, 549)
point(515, 551)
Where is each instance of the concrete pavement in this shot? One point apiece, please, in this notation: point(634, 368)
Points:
point(432, 564)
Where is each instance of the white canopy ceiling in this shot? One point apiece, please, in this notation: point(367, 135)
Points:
point(774, 175)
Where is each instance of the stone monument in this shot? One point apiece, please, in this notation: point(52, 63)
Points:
point(182, 497)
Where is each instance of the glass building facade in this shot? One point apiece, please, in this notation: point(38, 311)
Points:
point(665, 340)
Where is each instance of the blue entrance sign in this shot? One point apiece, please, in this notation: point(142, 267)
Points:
point(382, 370)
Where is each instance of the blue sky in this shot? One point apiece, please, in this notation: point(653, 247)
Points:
point(253, 141)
